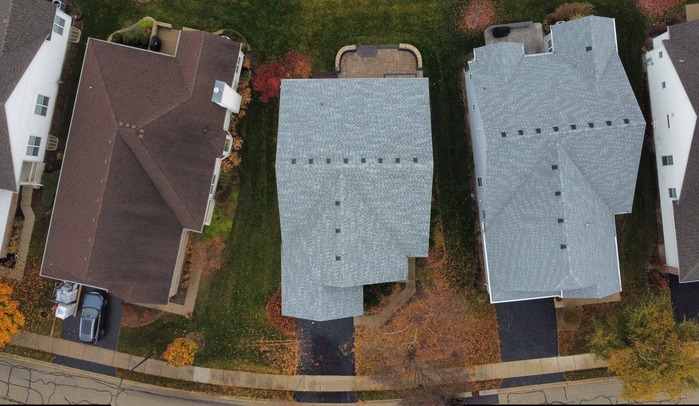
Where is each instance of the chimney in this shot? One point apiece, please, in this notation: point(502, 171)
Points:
point(226, 97)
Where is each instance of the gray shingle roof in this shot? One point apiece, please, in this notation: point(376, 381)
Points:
point(569, 96)
point(356, 213)
point(24, 25)
point(682, 46)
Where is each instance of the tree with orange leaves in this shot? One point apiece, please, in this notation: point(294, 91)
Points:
point(11, 319)
point(180, 352)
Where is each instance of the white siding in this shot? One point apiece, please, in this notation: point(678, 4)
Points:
point(669, 103)
point(41, 77)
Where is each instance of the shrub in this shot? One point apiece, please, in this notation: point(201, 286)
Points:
point(476, 15)
point(180, 352)
point(656, 8)
point(11, 319)
point(567, 12)
point(117, 37)
point(268, 78)
point(50, 183)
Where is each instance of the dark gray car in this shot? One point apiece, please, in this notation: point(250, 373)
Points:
point(92, 317)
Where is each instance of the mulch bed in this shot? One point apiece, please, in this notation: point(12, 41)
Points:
point(138, 316)
point(273, 310)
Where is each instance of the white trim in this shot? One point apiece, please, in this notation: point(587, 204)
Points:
point(616, 43)
point(524, 299)
point(618, 264)
point(485, 262)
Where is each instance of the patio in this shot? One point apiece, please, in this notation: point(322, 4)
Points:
point(371, 61)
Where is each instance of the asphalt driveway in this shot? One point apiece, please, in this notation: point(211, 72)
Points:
point(684, 299)
point(528, 330)
point(112, 324)
point(326, 348)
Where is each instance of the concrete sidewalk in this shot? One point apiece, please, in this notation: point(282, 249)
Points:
point(303, 383)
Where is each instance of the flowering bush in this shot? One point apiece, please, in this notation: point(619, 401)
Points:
point(656, 8)
point(476, 16)
point(268, 77)
point(180, 352)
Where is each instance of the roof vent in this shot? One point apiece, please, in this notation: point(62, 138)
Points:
point(337, 258)
point(337, 202)
point(554, 167)
point(555, 129)
point(345, 160)
point(504, 134)
point(626, 121)
point(560, 220)
point(327, 161)
point(363, 160)
point(337, 231)
point(380, 160)
point(557, 193)
point(397, 160)
point(310, 161)
point(521, 132)
point(538, 130)
point(414, 160)
point(609, 122)
point(588, 48)
point(591, 125)
point(563, 246)
point(573, 126)
point(293, 160)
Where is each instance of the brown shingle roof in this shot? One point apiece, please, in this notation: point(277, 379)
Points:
point(123, 200)
point(24, 25)
point(682, 50)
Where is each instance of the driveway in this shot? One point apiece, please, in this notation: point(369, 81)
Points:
point(112, 324)
point(326, 348)
point(528, 330)
point(684, 299)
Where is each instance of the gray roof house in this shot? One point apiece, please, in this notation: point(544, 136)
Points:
point(556, 141)
point(354, 178)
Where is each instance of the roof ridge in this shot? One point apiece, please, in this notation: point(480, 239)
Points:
point(160, 181)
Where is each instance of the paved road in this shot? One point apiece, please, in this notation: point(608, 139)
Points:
point(326, 348)
point(528, 330)
point(112, 324)
point(26, 381)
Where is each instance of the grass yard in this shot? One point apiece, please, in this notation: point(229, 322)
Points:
point(230, 306)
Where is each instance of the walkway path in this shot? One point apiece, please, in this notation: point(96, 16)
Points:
point(308, 383)
point(27, 228)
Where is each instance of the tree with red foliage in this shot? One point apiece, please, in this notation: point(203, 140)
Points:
point(476, 15)
point(268, 78)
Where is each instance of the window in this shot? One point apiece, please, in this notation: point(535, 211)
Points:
point(58, 25)
point(667, 160)
point(480, 181)
point(42, 105)
point(673, 193)
point(33, 145)
point(664, 85)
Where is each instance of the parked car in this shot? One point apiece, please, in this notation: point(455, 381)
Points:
point(92, 316)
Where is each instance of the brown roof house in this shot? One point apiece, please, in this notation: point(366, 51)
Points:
point(142, 161)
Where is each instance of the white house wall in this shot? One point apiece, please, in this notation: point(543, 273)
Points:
point(479, 155)
point(670, 102)
point(41, 77)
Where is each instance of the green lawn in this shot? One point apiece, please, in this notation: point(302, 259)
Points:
point(230, 307)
